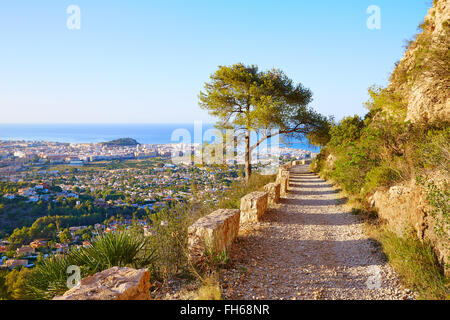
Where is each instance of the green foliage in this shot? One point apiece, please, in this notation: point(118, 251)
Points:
point(431, 56)
point(346, 132)
point(119, 249)
point(367, 153)
point(321, 135)
point(169, 240)
point(16, 281)
point(49, 278)
point(4, 292)
point(433, 150)
point(384, 99)
point(216, 260)
point(416, 264)
point(123, 249)
point(383, 175)
point(121, 142)
point(439, 199)
point(65, 236)
point(246, 99)
point(232, 198)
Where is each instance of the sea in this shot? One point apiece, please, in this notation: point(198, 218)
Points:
point(160, 133)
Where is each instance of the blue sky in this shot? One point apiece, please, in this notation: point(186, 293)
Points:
point(146, 61)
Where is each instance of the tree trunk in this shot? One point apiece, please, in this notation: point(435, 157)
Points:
point(248, 165)
point(224, 148)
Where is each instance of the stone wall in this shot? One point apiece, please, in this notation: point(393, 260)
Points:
point(253, 206)
point(214, 232)
point(283, 180)
point(273, 190)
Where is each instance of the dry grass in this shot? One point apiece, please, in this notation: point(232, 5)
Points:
point(209, 290)
point(414, 261)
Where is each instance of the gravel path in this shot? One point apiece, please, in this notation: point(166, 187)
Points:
point(309, 247)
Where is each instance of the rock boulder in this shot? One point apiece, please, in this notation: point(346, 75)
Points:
point(112, 284)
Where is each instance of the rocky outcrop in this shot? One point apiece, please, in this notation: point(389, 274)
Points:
point(214, 233)
point(253, 206)
point(422, 77)
point(112, 284)
point(404, 206)
point(273, 190)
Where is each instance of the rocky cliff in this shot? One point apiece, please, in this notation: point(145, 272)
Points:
point(404, 138)
point(422, 77)
point(405, 205)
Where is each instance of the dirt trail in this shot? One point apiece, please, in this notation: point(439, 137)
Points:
point(309, 247)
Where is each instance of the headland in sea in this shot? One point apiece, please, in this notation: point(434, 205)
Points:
point(150, 133)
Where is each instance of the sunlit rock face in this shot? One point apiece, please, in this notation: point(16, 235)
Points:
point(273, 190)
point(283, 180)
point(405, 205)
point(253, 206)
point(112, 284)
point(422, 76)
point(214, 233)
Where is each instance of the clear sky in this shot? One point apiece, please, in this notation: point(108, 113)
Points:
point(146, 61)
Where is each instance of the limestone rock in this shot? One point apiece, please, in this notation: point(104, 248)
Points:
point(112, 284)
point(273, 190)
point(405, 205)
point(253, 206)
point(283, 179)
point(214, 232)
point(426, 94)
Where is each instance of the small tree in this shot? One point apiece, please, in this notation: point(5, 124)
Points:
point(246, 99)
point(65, 236)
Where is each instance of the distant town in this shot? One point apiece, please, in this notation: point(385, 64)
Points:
point(56, 196)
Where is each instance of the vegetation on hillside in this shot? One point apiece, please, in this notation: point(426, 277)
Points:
point(122, 142)
point(382, 149)
point(164, 252)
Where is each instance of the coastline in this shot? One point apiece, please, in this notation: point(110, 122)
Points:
point(146, 134)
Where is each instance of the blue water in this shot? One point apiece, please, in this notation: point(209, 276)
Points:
point(92, 133)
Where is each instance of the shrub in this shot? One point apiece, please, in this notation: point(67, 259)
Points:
point(416, 263)
point(347, 131)
point(115, 249)
point(432, 149)
point(380, 176)
point(49, 277)
point(438, 197)
point(232, 198)
point(169, 240)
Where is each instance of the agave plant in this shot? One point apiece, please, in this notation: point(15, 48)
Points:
point(49, 278)
point(118, 249)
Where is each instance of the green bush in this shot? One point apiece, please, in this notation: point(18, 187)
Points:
point(380, 176)
point(432, 149)
point(115, 249)
point(416, 264)
point(169, 240)
point(232, 198)
point(347, 131)
point(49, 277)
